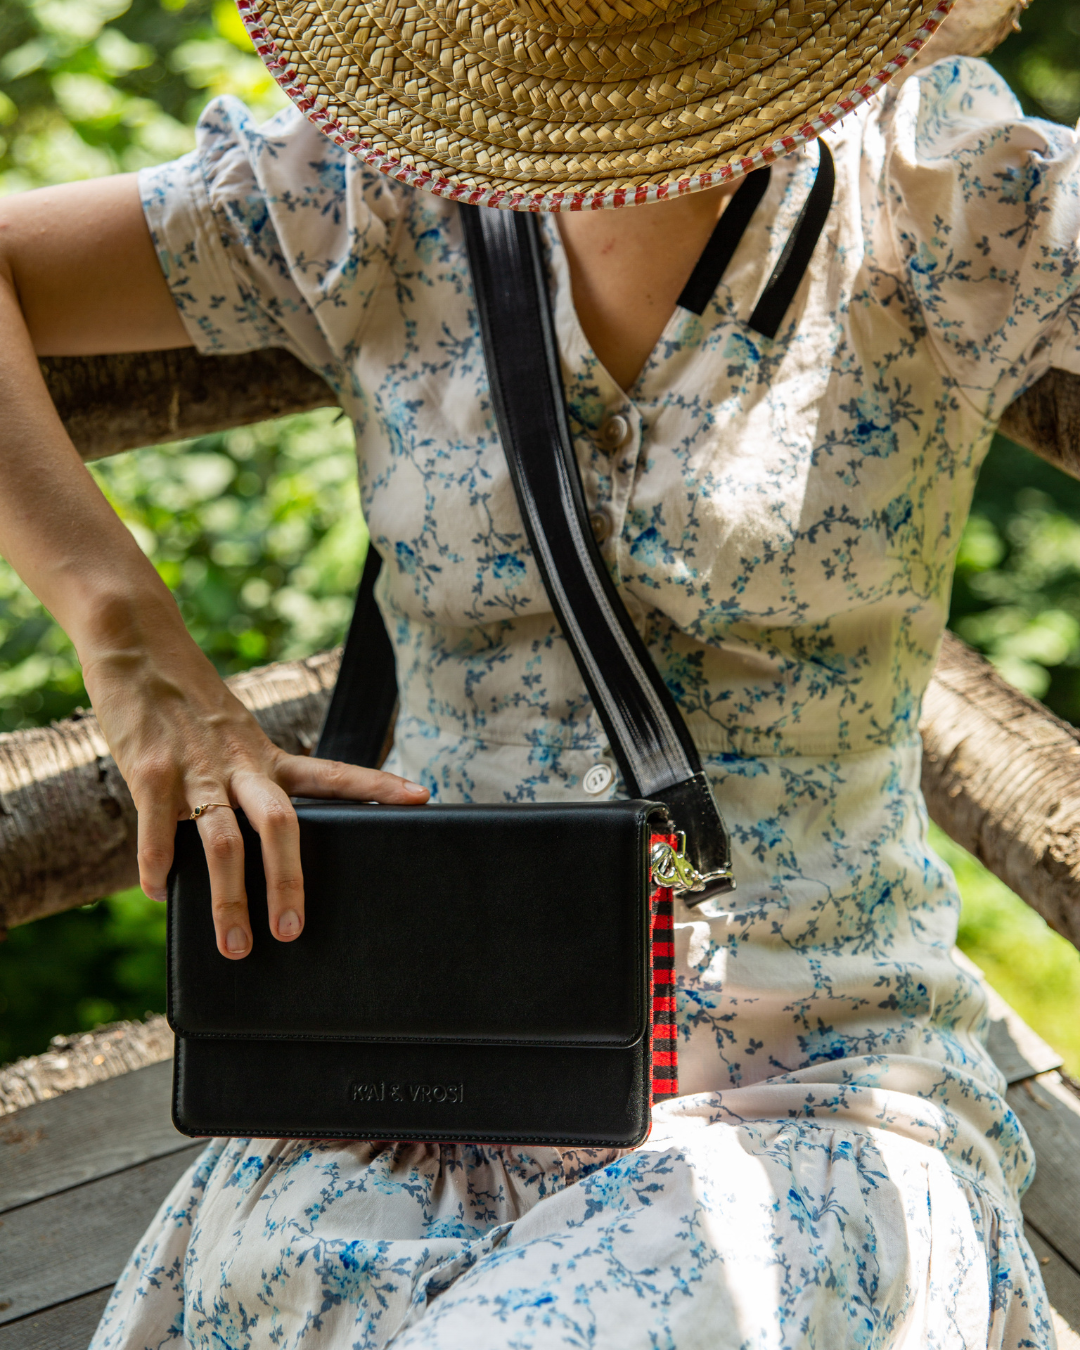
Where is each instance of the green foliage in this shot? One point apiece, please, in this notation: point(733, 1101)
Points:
point(89, 87)
point(259, 535)
point(257, 532)
point(1017, 591)
point(73, 971)
point(1032, 967)
point(1042, 61)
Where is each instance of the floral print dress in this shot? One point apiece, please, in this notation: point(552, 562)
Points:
point(781, 516)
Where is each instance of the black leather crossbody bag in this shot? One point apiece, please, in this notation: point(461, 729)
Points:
point(497, 974)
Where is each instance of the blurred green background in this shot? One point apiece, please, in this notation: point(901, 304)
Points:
point(258, 530)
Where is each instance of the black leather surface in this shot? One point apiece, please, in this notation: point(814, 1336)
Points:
point(480, 1094)
point(501, 949)
point(360, 710)
point(485, 923)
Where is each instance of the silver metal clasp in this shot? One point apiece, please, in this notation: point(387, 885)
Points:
point(671, 867)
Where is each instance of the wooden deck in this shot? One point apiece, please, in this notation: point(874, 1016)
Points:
point(81, 1176)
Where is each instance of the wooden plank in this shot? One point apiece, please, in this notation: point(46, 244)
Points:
point(87, 1057)
point(1018, 1051)
point(78, 1241)
point(1062, 1286)
point(1050, 1112)
point(86, 1134)
point(68, 1326)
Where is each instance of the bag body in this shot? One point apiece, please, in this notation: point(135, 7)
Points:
point(489, 974)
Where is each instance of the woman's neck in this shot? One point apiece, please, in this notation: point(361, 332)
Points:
point(628, 269)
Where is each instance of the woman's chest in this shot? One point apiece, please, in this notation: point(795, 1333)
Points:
point(774, 483)
point(769, 488)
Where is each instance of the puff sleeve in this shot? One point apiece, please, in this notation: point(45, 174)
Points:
point(984, 207)
point(270, 236)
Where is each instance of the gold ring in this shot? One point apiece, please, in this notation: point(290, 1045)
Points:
point(202, 810)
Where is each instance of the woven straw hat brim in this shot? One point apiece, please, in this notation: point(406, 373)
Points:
point(576, 104)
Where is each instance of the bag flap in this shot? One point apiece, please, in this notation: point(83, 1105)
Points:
point(514, 924)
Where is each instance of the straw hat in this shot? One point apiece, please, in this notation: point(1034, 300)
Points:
point(567, 104)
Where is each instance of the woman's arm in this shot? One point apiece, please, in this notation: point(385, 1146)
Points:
point(79, 275)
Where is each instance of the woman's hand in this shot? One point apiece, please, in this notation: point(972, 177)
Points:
point(181, 739)
point(79, 275)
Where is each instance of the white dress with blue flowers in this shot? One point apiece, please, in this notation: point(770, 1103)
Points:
point(840, 1169)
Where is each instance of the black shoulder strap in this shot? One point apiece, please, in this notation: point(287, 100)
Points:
point(361, 709)
point(795, 259)
point(787, 275)
point(648, 736)
point(724, 240)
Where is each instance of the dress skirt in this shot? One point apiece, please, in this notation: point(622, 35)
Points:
point(841, 1170)
point(714, 1233)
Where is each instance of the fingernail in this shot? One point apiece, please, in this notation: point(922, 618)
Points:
point(155, 893)
point(289, 923)
point(236, 940)
point(414, 787)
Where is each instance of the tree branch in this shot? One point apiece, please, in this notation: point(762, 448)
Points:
point(1001, 776)
point(114, 403)
point(67, 821)
point(1046, 420)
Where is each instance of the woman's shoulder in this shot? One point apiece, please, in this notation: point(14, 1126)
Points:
point(288, 160)
point(271, 234)
point(958, 125)
point(977, 207)
point(958, 115)
point(959, 119)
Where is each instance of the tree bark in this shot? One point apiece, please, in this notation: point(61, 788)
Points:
point(73, 1062)
point(67, 821)
point(114, 403)
point(1046, 420)
point(1001, 776)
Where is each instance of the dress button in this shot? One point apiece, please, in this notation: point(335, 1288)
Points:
point(615, 432)
point(601, 523)
point(598, 779)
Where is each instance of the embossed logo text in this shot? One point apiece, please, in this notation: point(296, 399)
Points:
point(422, 1094)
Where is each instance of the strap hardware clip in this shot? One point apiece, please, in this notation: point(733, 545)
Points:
point(671, 867)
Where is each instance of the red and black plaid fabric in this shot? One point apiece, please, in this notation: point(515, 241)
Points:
point(665, 1052)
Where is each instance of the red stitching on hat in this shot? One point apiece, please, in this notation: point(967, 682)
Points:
point(289, 80)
